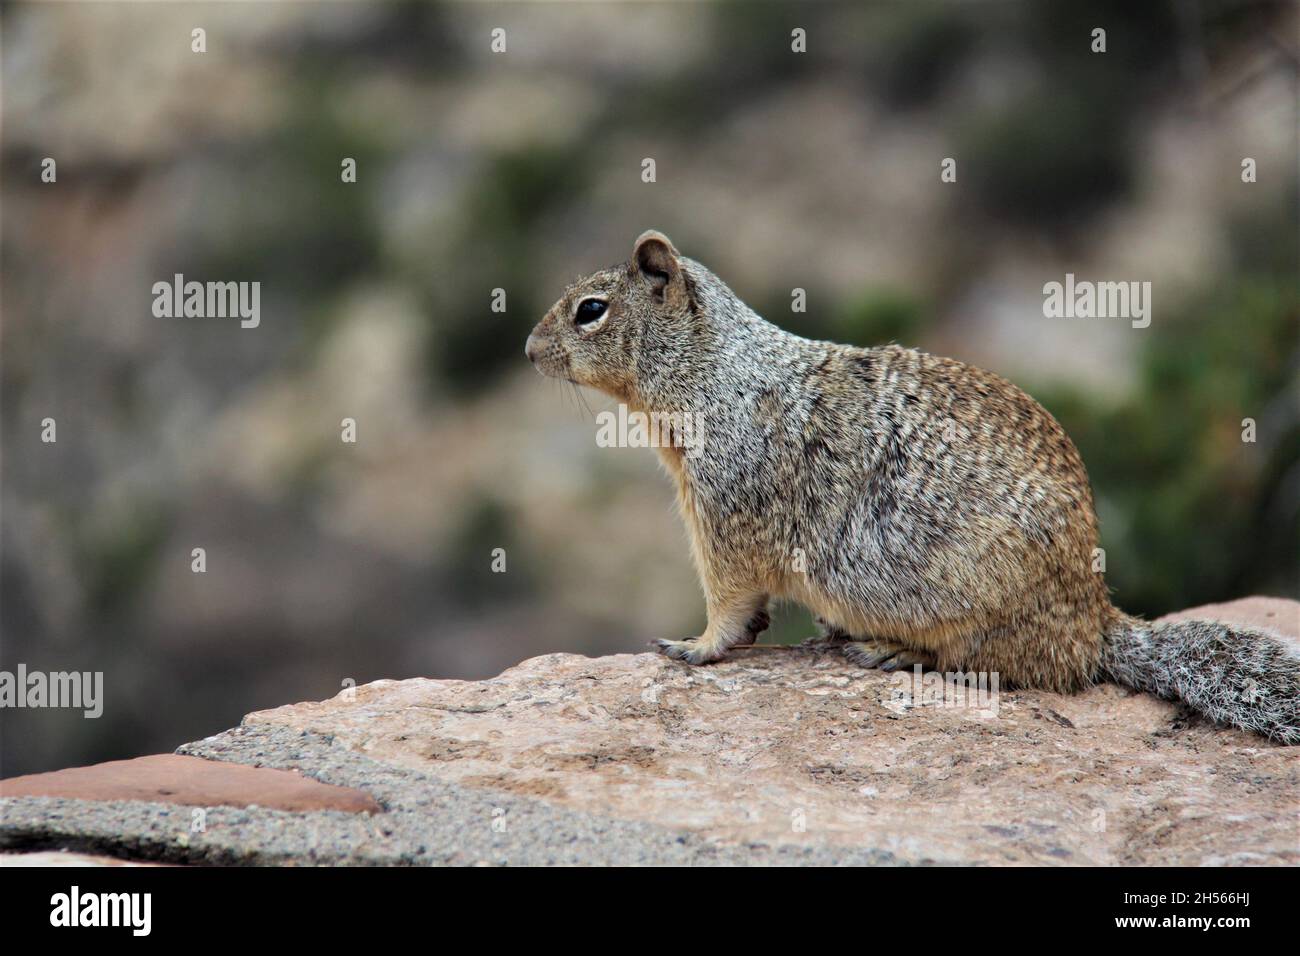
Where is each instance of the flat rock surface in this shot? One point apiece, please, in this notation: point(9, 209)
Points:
point(1278, 615)
point(173, 778)
point(44, 858)
point(775, 756)
point(424, 821)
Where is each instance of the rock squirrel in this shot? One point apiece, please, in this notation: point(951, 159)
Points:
point(927, 512)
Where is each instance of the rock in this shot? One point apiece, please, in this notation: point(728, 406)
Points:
point(172, 778)
point(62, 858)
point(793, 745)
point(785, 755)
point(1278, 615)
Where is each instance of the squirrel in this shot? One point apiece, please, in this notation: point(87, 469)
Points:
point(929, 513)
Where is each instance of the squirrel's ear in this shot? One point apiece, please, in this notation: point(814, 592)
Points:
point(656, 259)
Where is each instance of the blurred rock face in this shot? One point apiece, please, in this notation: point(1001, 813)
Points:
point(467, 519)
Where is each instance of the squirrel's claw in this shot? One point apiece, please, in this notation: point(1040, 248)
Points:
point(886, 655)
point(691, 651)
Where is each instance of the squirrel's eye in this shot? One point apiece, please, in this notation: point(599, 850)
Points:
point(589, 310)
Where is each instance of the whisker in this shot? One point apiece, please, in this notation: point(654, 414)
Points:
point(582, 400)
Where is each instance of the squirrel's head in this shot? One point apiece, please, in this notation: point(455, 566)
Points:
point(609, 325)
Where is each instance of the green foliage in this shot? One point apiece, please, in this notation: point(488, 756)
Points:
point(117, 561)
point(520, 185)
point(879, 317)
point(1191, 513)
point(915, 51)
point(1055, 154)
point(876, 316)
point(488, 524)
point(791, 623)
point(468, 343)
point(1062, 149)
point(295, 212)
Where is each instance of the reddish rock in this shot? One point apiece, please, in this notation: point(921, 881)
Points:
point(798, 746)
point(64, 858)
point(191, 781)
point(1278, 615)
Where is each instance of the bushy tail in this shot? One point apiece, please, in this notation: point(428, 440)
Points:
point(1236, 675)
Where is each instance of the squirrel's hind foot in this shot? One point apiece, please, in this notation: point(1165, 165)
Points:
point(828, 635)
point(886, 655)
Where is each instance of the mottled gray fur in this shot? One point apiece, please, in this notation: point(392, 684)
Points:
point(928, 512)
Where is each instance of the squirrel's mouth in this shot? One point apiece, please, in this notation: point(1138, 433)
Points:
point(558, 376)
point(551, 363)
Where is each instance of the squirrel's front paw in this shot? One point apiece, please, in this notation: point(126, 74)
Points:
point(692, 651)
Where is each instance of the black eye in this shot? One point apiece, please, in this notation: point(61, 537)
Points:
point(589, 310)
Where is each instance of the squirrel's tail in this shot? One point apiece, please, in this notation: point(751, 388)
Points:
point(1236, 675)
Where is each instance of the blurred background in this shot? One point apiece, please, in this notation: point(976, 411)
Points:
point(519, 170)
